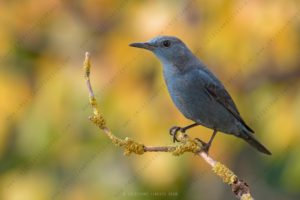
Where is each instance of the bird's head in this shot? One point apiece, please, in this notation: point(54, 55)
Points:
point(169, 49)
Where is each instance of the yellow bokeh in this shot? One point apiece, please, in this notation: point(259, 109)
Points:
point(50, 150)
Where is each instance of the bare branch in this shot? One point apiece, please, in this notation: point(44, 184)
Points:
point(239, 187)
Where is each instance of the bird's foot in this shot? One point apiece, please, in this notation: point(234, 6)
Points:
point(173, 132)
point(205, 146)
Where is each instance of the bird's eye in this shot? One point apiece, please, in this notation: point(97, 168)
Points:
point(166, 43)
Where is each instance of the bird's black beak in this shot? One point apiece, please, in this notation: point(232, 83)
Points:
point(143, 45)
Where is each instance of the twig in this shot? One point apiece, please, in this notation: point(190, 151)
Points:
point(239, 187)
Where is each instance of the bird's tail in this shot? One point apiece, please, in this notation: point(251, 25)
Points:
point(248, 137)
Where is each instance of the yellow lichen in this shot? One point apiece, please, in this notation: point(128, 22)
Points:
point(226, 174)
point(129, 145)
point(246, 197)
point(87, 66)
point(93, 102)
point(94, 105)
point(99, 120)
point(186, 146)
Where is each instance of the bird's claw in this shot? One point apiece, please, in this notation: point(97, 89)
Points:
point(173, 132)
point(205, 146)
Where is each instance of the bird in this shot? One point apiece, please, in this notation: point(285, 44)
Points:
point(198, 94)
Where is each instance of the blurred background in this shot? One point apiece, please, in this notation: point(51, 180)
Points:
point(50, 150)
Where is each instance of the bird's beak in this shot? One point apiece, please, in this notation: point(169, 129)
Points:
point(143, 45)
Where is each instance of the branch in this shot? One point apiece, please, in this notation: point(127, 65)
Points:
point(239, 187)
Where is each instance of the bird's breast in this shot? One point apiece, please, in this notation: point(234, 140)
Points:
point(187, 94)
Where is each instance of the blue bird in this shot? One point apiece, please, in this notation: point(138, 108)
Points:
point(197, 92)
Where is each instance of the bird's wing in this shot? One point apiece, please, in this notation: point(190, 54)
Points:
point(220, 95)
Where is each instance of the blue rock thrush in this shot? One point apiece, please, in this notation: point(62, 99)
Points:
point(197, 93)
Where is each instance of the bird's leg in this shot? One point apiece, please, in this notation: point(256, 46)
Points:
point(183, 129)
point(173, 131)
point(206, 146)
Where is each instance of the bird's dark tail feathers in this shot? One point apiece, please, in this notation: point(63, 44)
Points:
point(248, 137)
